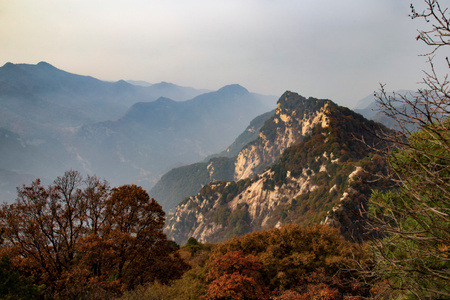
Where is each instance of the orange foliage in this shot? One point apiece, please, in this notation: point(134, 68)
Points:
point(79, 237)
point(235, 276)
point(300, 263)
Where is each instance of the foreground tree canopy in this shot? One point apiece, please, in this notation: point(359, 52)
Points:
point(79, 237)
point(414, 254)
point(290, 262)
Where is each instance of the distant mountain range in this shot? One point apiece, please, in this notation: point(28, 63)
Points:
point(153, 137)
point(370, 108)
point(52, 121)
point(36, 98)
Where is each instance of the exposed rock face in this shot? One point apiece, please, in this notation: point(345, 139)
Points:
point(258, 147)
point(186, 181)
point(196, 217)
point(348, 214)
point(294, 118)
point(261, 201)
point(321, 170)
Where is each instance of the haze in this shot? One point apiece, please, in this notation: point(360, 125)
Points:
point(339, 50)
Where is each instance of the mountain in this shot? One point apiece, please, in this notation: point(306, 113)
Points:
point(71, 99)
point(52, 120)
point(153, 137)
point(41, 98)
point(318, 175)
point(255, 149)
point(185, 181)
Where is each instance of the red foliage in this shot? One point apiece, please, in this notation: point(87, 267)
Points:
point(235, 276)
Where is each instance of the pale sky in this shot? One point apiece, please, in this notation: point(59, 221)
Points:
point(339, 50)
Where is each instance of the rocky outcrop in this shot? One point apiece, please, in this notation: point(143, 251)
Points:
point(295, 117)
point(198, 216)
point(255, 149)
point(322, 168)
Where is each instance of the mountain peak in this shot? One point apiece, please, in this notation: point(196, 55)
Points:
point(44, 64)
point(8, 65)
point(234, 89)
point(311, 147)
point(122, 83)
point(165, 84)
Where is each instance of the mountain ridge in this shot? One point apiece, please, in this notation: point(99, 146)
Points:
point(261, 151)
point(87, 127)
point(309, 179)
point(152, 130)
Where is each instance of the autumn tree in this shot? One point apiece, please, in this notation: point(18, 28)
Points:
point(290, 262)
point(131, 246)
point(83, 239)
point(413, 256)
point(235, 276)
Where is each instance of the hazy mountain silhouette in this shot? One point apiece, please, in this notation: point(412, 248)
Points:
point(52, 120)
point(42, 95)
point(170, 90)
point(153, 137)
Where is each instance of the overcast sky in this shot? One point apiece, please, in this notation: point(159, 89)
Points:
point(339, 50)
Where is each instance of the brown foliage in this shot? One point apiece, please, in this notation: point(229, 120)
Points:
point(235, 276)
point(84, 240)
point(308, 262)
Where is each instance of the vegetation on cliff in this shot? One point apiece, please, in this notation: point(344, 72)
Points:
point(330, 167)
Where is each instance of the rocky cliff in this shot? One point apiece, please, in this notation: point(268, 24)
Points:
point(320, 173)
point(267, 137)
point(294, 118)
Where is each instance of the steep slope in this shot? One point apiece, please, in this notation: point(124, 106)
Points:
point(256, 148)
point(310, 178)
point(185, 181)
point(295, 117)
